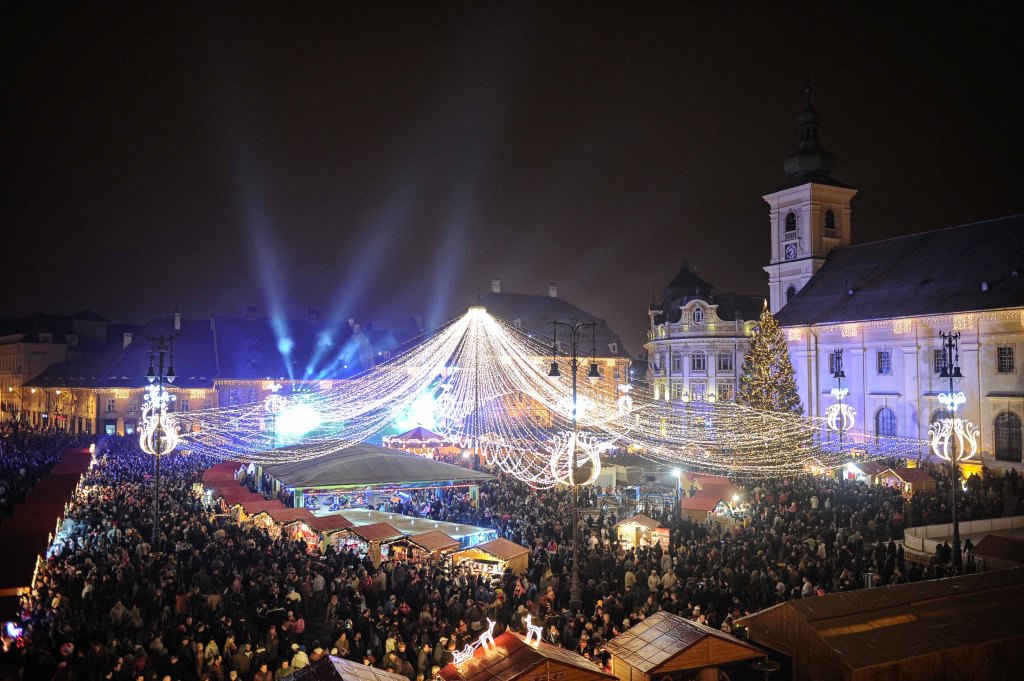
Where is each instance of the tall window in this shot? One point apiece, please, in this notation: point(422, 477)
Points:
point(938, 360)
point(885, 421)
point(698, 362)
point(726, 391)
point(677, 363)
point(884, 361)
point(938, 415)
point(790, 292)
point(111, 405)
point(790, 224)
point(726, 361)
point(830, 220)
point(1004, 359)
point(133, 407)
point(1008, 437)
point(232, 397)
point(252, 395)
point(184, 405)
point(698, 390)
point(698, 315)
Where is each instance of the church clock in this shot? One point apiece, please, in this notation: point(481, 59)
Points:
point(790, 251)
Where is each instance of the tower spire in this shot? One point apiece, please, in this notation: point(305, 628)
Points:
point(810, 160)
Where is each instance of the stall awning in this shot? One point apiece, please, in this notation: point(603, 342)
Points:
point(435, 540)
point(640, 519)
point(511, 658)
point(254, 506)
point(286, 516)
point(336, 669)
point(502, 548)
point(330, 523)
point(909, 475)
point(375, 532)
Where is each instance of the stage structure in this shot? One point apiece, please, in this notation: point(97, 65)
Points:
point(478, 371)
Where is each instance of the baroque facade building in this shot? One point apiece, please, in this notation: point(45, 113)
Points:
point(696, 340)
point(884, 304)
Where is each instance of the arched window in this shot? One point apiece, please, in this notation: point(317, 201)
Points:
point(885, 422)
point(790, 292)
point(1008, 437)
point(790, 222)
point(938, 415)
point(698, 315)
point(830, 220)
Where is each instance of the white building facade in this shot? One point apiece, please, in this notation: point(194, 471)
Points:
point(884, 305)
point(696, 341)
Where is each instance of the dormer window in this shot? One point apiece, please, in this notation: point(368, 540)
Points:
point(698, 315)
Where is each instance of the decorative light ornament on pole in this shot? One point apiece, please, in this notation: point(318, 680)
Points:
point(158, 428)
point(839, 417)
point(953, 439)
point(574, 443)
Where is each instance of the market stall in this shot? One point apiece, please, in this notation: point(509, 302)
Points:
point(908, 480)
point(432, 545)
point(665, 646)
point(371, 540)
point(863, 471)
point(291, 523)
point(244, 511)
point(422, 442)
point(640, 530)
point(329, 528)
point(700, 506)
point(493, 557)
point(509, 657)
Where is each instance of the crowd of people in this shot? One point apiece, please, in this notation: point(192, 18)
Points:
point(202, 597)
point(26, 455)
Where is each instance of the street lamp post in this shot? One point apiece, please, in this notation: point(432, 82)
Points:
point(159, 430)
point(575, 331)
point(839, 375)
point(951, 370)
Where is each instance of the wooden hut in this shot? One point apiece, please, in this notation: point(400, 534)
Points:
point(245, 510)
point(332, 668)
point(510, 658)
point(908, 480)
point(639, 530)
point(369, 539)
point(955, 628)
point(865, 471)
point(328, 527)
point(666, 646)
point(493, 557)
point(432, 545)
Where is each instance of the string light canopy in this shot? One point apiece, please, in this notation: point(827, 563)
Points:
point(493, 389)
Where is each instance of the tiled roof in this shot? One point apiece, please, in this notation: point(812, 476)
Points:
point(434, 540)
point(664, 635)
point(535, 313)
point(938, 272)
point(330, 523)
point(375, 531)
point(910, 475)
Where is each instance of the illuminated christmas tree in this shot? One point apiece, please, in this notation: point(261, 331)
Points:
point(768, 381)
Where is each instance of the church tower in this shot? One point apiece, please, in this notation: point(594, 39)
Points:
point(810, 214)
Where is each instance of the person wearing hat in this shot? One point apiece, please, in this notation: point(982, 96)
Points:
point(299, 659)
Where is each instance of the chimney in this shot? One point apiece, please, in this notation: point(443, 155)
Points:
point(552, 291)
point(314, 315)
point(126, 339)
point(984, 286)
point(177, 321)
point(495, 285)
point(250, 313)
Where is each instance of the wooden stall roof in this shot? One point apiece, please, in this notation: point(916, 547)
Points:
point(284, 516)
point(702, 501)
point(502, 548)
point(640, 519)
point(254, 506)
point(1001, 547)
point(910, 475)
point(235, 494)
point(511, 658)
point(221, 472)
point(869, 468)
point(375, 532)
point(330, 523)
point(332, 668)
point(664, 636)
point(435, 540)
point(876, 627)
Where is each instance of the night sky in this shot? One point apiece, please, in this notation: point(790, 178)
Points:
point(386, 160)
